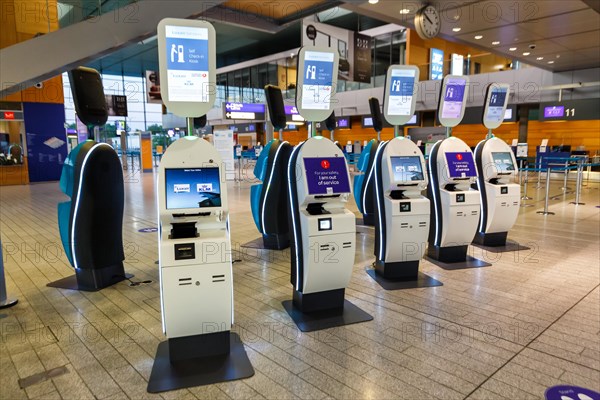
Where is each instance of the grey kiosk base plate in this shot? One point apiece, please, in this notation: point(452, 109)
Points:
point(470, 262)
point(509, 246)
point(200, 371)
point(318, 320)
point(71, 283)
point(422, 281)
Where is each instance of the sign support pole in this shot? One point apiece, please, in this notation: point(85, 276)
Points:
point(448, 131)
point(5, 302)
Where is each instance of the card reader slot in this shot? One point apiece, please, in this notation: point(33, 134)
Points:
point(326, 196)
point(183, 215)
point(316, 209)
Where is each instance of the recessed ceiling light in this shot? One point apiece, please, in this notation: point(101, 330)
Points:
point(512, 49)
point(373, 1)
point(495, 43)
point(550, 62)
point(540, 58)
point(405, 11)
point(558, 56)
point(478, 37)
point(457, 29)
point(526, 53)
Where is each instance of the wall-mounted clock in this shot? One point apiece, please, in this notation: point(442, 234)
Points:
point(428, 22)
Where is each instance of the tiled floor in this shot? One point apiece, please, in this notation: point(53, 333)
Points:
point(507, 331)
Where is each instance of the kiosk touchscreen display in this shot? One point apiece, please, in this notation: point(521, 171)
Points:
point(318, 78)
point(503, 161)
point(326, 176)
point(407, 168)
point(461, 165)
point(453, 98)
point(187, 63)
point(192, 188)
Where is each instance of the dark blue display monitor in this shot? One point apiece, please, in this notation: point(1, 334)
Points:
point(192, 188)
point(326, 176)
point(407, 168)
point(461, 165)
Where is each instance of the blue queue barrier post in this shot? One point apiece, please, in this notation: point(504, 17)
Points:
point(5, 302)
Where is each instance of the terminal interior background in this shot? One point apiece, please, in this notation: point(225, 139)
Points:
point(528, 322)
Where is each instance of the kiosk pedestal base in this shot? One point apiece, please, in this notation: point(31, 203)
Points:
point(170, 375)
point(323, 310)
point(92, 280)
point(415, 280)
point(496, 242)
point(453, 257)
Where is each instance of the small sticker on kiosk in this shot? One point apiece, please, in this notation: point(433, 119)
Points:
point(504, 190)
point(405, 206)
point(325, 224)
point(460, 198)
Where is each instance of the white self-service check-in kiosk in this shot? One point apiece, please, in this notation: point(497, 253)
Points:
point(196, 280)
point(400, 175)
point(322, 230)
point(497, 168)
point(455, 205)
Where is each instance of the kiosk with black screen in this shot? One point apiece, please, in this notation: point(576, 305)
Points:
point(399, 173)
point(196, 279)
point(497, 168)
point(455, 205)
point(322, 229)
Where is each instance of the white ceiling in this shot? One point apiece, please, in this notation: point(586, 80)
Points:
point(566, 32)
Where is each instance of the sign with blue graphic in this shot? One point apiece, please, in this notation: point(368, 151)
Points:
point(436, 65)
point(317, 80)
point(187, 63)
point(454, 94)
point(565, 392)
point(401, 91)
point(249, 111)
point(495, 107)
point(148, 230)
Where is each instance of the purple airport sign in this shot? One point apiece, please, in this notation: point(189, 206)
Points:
point(554, 112)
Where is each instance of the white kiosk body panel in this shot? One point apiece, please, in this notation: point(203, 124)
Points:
point(502, 196)
point(329, 236)
point(459, 205)
point(195, 270)
point(407, 219)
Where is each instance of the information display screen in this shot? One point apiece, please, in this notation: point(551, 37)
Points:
point(318, 78)
point(453, 98)
point(326, 176)
point(495, 107)
point(187, 63)
point(554, 112)
point(407, 168)
point(401, 91)
point(461, 165)
point(503, 161)
point(192, 188)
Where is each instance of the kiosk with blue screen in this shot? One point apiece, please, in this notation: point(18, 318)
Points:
point(399, 175)
point(322, 229)
point(195, 267)
point(497, 168)
point(455, 205)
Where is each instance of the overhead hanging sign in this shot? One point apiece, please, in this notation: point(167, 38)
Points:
point(569, 110)
point(292, 114)
point(117, 105)
point(249, 111)
point(187, 60)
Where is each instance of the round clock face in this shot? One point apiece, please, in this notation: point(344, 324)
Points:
point(428, 22)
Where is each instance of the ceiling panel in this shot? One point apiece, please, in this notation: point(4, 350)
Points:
point(273, 9)
point(578, 41)
point(565, 24)
point(524, 11)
